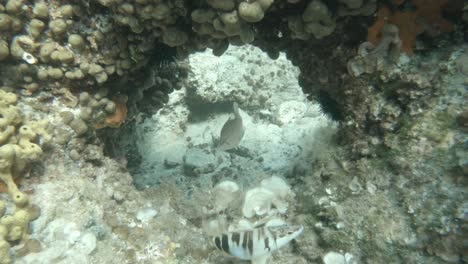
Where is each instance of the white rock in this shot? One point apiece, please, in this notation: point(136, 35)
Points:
point(323, 201)
point(371, 188)
point(334, 258)
point(29, 58)
point(258, 201)
point(214, 227)
point(87, 243)
point(290, 111)
point(146, 214)
point(349, 258)
point(340, 225)
point(278, 186)
point(71, 232)
point(355, 186)
point(224, 193)
point(227, 186)
point(74, 236)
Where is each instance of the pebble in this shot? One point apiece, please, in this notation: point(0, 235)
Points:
point(87, 243)
point(146, 214)
point(334, 258)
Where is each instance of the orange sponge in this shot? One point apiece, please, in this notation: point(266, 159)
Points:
point(426, 18)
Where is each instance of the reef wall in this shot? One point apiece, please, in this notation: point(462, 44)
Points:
point(76, 77)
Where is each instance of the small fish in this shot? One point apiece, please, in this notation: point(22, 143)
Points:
point(232, 131)
point(257, 244)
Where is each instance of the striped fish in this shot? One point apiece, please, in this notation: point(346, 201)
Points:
point(258, 242)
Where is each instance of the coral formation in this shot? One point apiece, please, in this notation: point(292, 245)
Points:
point(371, 58)
point(95, 111)
point(316, 20)
point(18, 151)
point(426, 18)
point(117, 110)
point(272, 193)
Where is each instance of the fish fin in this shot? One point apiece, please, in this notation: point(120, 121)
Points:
point(214, 141)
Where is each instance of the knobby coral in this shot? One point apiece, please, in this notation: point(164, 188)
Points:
point(116, 119)
point(18, 150)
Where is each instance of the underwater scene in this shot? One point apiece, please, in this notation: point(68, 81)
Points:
point(233, 131)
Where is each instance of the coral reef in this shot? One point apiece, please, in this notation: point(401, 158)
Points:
point(108, 44)
point(110, 110)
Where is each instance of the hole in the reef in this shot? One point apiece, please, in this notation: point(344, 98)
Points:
point(200, 111)
point(279, 123)
point(330, 106)
point(163, 54)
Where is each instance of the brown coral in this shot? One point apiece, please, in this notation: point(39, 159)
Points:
point(426, 18)
point(406, 23)
point(118, 117)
